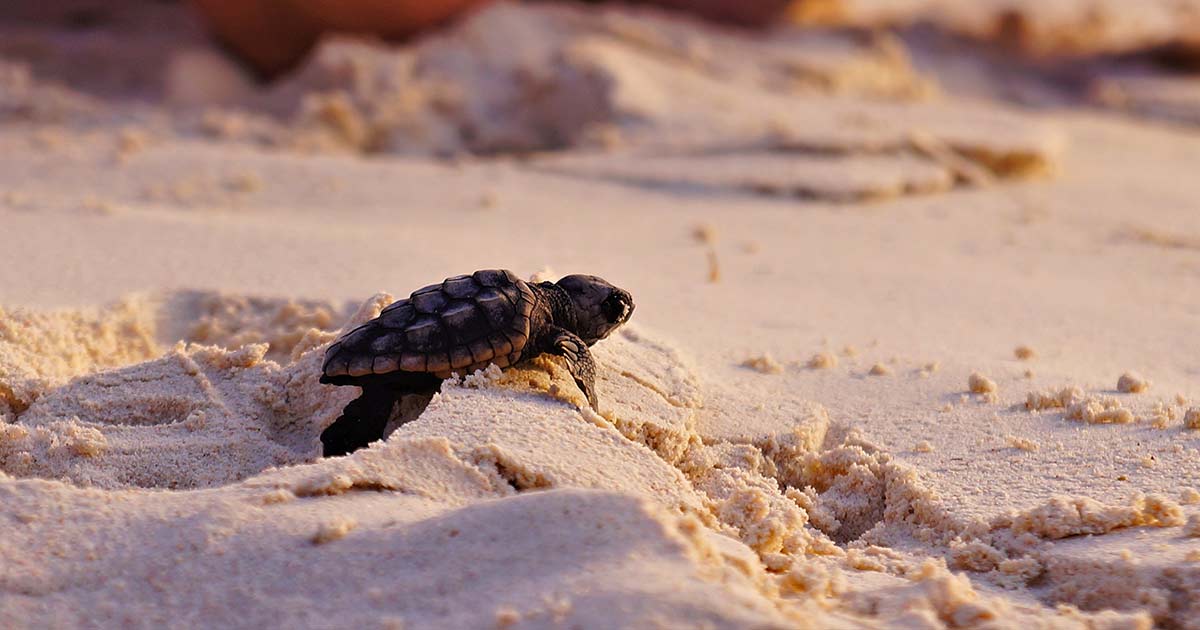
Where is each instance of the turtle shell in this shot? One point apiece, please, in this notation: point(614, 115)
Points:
point(460, 325)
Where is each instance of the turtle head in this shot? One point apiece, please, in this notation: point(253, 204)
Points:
point(599, 306)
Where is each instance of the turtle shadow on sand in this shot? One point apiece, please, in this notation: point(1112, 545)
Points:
point(460, 325)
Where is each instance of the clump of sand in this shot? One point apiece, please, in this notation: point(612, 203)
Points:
point(1022, 443)
point(1024, 353)
point(1132, 383)
point(1053, 399)
point(764, 363)
point(1100, 410)
point(1092, 409)
point(879, 369)
point(980, 384)
point(1191, 419)
point(822, 361)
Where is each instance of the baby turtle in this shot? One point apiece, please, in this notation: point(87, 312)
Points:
point(459, 326)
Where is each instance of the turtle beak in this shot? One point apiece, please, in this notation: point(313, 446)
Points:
point(617, 307)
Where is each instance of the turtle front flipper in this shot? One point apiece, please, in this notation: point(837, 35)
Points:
point(362, 421)
point(569, 346)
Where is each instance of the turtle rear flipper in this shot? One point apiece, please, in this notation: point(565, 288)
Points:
point(362, 421)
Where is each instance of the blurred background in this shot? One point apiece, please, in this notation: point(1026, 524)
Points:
point(247, 108)
point(417, 76)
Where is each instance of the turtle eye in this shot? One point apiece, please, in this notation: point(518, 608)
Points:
point(614, 308)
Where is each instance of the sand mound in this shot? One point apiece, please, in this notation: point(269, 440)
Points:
point(589, 76)
point(665, 102)
point(616, 557)
point(744, 511)
point(205, 416)
point(671, 92)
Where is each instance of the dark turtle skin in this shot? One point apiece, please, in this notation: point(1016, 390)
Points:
point(463, 324)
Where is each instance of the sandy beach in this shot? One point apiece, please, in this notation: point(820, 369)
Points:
point(917, 290)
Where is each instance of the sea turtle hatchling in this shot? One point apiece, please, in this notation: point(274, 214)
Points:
point(458, 326)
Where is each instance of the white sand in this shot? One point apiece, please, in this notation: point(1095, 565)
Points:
point(853, 211)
